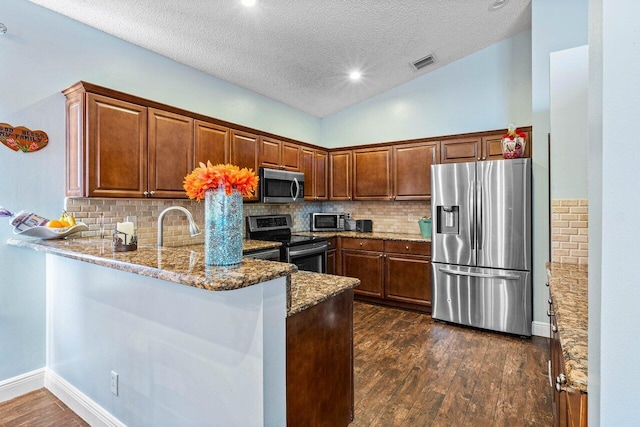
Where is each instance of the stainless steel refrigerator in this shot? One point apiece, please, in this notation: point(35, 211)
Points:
point(481, 244)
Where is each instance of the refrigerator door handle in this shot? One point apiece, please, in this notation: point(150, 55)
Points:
point(480, 219)
point(481, 275)
point(472, 228)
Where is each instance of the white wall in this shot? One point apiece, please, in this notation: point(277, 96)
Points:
point(484, 91)
point(556, 25)
point(614, 294)
point(569, 80)
point(43, 53)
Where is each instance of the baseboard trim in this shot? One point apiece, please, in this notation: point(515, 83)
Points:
point(79, 402)
point(540, 329)
point(22, 384)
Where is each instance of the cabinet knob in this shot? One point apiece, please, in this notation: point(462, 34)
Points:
point(550, 301)
point(484, 158)
point(406, 247)
point(559, 388)
point(478, 158)
point(349, 197)
point(145, 194)
point(360, 243)
point(549, 313)
point(152, 193)
point(547, 284)
point(381, 255)
point(554, 328)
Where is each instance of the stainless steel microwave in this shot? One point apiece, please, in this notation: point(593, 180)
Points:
point(327, 221)
point(278, 186)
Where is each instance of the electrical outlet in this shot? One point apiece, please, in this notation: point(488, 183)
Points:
point(114, 382)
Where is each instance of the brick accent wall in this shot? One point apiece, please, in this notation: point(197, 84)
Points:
point(397, 217)
point(570, 231)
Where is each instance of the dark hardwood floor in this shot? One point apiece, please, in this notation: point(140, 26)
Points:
point(413, 371)
point(409, 371)
point(39, 408)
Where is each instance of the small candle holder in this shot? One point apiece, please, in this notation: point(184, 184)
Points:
point(125, 237)
point(118, 242)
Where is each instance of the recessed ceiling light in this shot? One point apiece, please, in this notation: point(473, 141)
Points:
point(355, 75)
point(497, 4)
point(248, 3)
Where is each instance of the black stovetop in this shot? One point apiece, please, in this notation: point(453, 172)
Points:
point(277, 228)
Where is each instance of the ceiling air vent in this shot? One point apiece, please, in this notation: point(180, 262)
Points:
point(424, 62)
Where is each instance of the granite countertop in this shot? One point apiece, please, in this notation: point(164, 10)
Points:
point(183, 265)
point(374, 235)
point(568, 286)
point(309, 289)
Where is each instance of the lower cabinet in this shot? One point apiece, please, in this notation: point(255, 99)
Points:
point(395, 273)
point(320, 364)
point(569, 406)
point(332, 261)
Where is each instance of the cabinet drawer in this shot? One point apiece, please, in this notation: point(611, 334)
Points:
point(406, 247)
point(363, 244)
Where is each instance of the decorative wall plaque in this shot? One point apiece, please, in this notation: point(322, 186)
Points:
point(21, 138)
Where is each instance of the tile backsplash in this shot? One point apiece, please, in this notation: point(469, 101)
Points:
point(393, 217)
point(570, 231)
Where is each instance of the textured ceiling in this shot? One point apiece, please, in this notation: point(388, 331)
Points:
point(300, 52)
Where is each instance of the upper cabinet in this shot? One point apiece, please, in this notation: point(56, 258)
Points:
point(170, 155)
point(478, 148)
point(372, 174)
point(211, 143)
point(412, 170)
point(340, 175)
point(244, 153)
point(279, 154)
point(111, 161)
point(314, 164)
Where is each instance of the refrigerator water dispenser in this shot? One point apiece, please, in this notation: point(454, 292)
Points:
point(448, 219)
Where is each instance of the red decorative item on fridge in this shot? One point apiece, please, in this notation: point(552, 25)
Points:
point(513, 143)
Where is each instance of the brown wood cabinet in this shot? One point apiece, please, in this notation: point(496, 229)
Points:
point(372, 174)
point(412, 170)
point(170, 140)
point(313, 163)
point(477, 148)
point(115, 147)
point(407, 267)
point(363, 258)
point(340, 175)
point(244, 153)
point(569, 406)
point(279, 154)
point(211, 143)
point(332, 266)
point(395, 273)
point(320, 364)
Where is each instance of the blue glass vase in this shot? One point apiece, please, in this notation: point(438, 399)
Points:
point(223, 227)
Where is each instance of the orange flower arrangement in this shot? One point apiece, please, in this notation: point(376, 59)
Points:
point(209, 177)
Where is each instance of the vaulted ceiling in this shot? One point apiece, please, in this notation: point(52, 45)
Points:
point(301, 52)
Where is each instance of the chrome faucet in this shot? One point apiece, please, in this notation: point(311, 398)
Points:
point(193, 227)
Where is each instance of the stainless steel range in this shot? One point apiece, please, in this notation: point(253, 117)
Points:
point(309, 253)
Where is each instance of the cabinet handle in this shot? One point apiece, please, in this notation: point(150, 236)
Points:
point(145, 194)
point(554, 328)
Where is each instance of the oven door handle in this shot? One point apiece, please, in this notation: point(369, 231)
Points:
point(295, 196)
point(311, 251)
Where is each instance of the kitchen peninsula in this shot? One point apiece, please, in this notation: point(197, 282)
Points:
point(180, 353)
